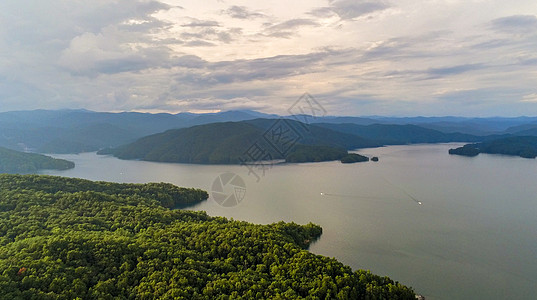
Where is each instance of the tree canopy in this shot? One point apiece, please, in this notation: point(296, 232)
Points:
point(19, 162)
point(353, 158)
point(523, 146)
point(230, 142)
point(76, 239)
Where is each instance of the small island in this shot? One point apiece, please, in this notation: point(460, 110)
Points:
point(12, 161)
point(523, 146)
point(466, 150)
point(353, 158)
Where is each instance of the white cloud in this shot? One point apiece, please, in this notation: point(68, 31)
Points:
point(359, 57)
point(532, 98)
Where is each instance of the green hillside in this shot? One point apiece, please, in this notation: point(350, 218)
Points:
point(212, 143)
point(19, 162)
point(523, 146)
point(74, 239)
point(230, 142)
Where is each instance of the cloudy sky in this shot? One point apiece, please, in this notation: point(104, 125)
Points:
point(361, 57)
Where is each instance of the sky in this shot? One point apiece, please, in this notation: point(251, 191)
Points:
point(359, 58)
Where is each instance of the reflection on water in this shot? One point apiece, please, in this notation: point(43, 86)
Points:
point(472, 237)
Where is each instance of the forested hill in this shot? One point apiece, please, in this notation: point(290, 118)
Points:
point(58, 241)
point(523, 146)
point(229, 142)
point(19, 162)
point(212, 143)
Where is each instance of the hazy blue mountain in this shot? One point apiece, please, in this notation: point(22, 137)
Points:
point(73, 131)
point(527, 132)
point(473, 126)
point(12, 161)
point(228, 116)
point(314, 134)
point(390, 134)
point(524, 129)
point(336, 120)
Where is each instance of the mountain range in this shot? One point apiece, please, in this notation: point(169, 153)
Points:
point(75, 131)
point(269, 139)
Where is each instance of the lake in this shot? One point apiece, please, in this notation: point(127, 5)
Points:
point(474, 235)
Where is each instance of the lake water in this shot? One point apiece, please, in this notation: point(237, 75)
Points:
point(473, 237)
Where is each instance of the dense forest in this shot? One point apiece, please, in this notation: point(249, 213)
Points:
point(236, 142)
point(76, 239)
point(354, 158)
point(19, 162)
point(523, 146)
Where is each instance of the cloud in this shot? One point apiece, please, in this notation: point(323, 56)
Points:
point(360, 57)
point(199, 43)
point(454, 70)
point(350, 9)
point(111, 51)
point(209, 36)
point(515, 24)
point(201, 23)
point(531, 98)
point(244, 71)
point(104, 36)
point(323, 12)
point(478, 97)
point(242, 12)
point(288, 28)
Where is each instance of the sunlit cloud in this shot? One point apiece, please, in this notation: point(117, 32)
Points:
point(357, 57)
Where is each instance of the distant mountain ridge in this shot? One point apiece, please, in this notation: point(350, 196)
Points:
point(75, 131)
point(389, 134)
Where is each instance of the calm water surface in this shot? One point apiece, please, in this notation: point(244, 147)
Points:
point(473, 237)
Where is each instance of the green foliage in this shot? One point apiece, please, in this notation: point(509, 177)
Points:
point(228, 143)
point(523, 146)
point(75, 239)
point(354, 158)
point(19, 162)
point(220, 143)
point(466, 150)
